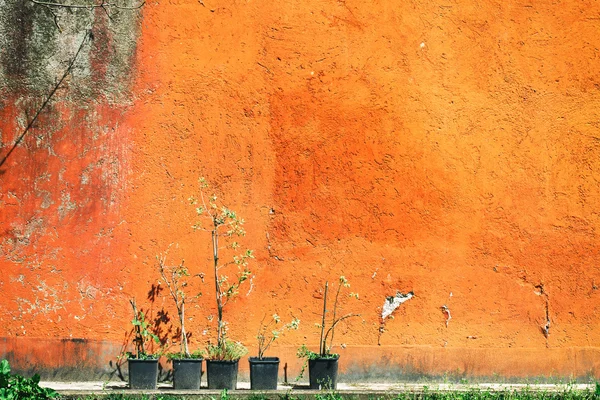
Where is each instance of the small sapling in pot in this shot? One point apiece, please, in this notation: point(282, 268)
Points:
point(225, 226)
point(264, 371)
point(323, 366)
point(187, 365)
point(143, 364)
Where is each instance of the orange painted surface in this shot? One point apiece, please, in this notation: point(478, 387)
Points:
point(449, 149)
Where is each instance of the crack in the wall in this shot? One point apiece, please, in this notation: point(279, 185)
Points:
point(539, 290)
point(545, 327)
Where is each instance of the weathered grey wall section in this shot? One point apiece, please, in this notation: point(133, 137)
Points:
point(37, 42)
point(62, 185)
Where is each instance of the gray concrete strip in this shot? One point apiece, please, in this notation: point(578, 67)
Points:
point(166, 387)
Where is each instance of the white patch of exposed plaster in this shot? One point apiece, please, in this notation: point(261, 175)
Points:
point(251, 285)
point(393, 302)
point(45, 300)
point(47, 202)
point(66, 205)
point(22, 236)
point(446, 311)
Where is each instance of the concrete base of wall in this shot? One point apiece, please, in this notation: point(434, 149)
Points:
point(89, 360)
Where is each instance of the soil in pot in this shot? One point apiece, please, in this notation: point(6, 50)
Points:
point(221, 374)
point(322, 373)
point(187, 373)
point(263, 373)
point(143, 374)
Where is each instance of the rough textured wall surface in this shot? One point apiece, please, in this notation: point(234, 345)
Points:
point(449, 149)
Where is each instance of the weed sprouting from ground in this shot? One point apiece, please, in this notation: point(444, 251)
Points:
point(329, 395)
point(288, 395)
point(427, 394)
point(258, 396)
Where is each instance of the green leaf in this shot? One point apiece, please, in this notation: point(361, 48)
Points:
point(4, 367)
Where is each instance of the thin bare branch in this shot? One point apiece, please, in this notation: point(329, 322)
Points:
point(321, 342)
point(87, 36)
point(103, 4)
point(337, 322)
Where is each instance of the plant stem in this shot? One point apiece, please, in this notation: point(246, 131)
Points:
point(138, 333)
point(215, 240)
point(335, 303)
point(178, 297)
point(322, 345)
point(184, 341)
point(338, 321)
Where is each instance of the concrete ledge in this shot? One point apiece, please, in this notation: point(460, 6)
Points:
point(366, 391)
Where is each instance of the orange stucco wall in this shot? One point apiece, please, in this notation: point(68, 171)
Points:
point(451, 149)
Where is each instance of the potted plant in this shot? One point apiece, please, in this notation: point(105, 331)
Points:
point(323, 366)
point(264, 371)
point(187, 366)
point(224, 226)
point(222, 361)
point(143, 366)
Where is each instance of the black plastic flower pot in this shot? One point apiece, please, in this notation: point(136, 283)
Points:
point(221, 374)
point(143, 374)
point(263, 373)
point(187, 373)
point(322, 373)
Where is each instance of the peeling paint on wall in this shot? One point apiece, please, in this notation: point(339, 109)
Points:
point(446, 312)
point(390, 305)
point(393, 302)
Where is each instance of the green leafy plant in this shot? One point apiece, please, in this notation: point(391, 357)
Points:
point(224, 226)
point(142, 335)
point(327, 327)
point(17, 387)
point(326, 330)
point(175, 279)
point(305, 352)
point(194, 355)
point(266, 335)
point(226, 350)
point(329, 395)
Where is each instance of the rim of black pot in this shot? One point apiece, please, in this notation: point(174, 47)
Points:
point(264, 360)
point(222, 361)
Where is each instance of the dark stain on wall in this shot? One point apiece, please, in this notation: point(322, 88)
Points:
point(16, 63)
point(38, 43)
